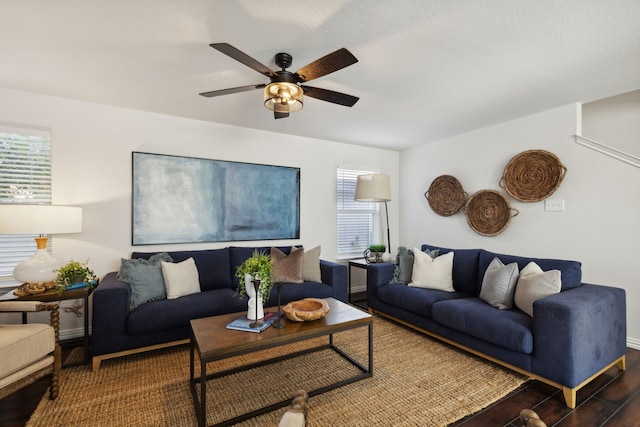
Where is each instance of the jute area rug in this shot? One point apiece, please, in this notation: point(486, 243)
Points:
point(416, 382)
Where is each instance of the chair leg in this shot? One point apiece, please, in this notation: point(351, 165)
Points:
point(54, 388)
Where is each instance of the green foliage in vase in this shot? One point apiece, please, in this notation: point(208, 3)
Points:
point(378, 248)
point(260, 266)
point(74, 272)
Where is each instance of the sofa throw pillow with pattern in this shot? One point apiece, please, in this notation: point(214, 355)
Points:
point(403, 269)
point(533, 284)
point(432, 273)
point(287, 268)
point(499, 284)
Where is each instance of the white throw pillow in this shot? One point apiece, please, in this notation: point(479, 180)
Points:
point(432, 273)
point(311, 265)
point(534, 284)
point(180, 278)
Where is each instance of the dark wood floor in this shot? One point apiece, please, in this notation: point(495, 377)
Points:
point(612, 399)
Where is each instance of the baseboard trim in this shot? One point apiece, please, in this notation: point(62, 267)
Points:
point(633, 343)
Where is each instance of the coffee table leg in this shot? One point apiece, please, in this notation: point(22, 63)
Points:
point(371, 348)
point(203, 394)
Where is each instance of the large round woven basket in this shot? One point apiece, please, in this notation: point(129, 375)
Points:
point(489, 212)
point(533, 175)
point(445, 195)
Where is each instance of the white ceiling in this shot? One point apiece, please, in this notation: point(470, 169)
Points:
point(427, 69)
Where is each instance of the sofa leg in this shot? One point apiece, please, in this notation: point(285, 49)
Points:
point(95, 363)
point(622, 363)
point(569, 396)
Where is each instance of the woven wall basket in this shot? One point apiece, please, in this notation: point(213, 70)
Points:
point(533, 175)
point(445, 195)
point(489, 212)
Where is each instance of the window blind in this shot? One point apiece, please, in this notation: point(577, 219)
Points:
point(358, 222)
point(25, 177)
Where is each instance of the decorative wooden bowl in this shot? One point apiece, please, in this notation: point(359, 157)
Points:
point(306, 309)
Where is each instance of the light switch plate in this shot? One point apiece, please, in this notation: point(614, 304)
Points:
point(553, 205)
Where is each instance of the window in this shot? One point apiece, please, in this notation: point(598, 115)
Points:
point(358, 222)
point(25, 177)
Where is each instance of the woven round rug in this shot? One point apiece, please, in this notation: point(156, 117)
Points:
point(489, 212)
point(533, 175)
point(446, 195)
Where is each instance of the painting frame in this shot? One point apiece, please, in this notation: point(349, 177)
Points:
point(180, 199)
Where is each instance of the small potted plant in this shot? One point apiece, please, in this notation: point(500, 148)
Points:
point(257, 267)
point(374, 253)
point(72, 273)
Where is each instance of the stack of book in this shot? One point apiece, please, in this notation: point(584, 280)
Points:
point(244, 324)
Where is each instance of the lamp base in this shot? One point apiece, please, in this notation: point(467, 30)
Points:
point(39, 268)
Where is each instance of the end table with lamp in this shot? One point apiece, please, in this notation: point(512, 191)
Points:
point(43, 220)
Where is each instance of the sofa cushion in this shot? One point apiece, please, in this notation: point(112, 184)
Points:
point(533, 284)
point(23, 345)
point(432, 273)
point(287, 268)
point(415, 300)
point(167, 314)
point(570, 271)
point(499, 284)
point(511, 329)
point(465, 268)
point(213, 266)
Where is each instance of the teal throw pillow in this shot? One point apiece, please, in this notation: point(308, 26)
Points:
point(145, 278)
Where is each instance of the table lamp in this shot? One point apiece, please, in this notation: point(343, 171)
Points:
point(375, 188)
point(42, 220)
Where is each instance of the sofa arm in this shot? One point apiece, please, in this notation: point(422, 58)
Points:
point(335, 275)
point(578, 332)
point(377, 275)
point(110, 311)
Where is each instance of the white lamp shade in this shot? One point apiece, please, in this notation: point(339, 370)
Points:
point(40, 219)
point(373, 188)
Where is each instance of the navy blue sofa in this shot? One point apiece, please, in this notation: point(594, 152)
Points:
point(572, 337)
point(116, 331)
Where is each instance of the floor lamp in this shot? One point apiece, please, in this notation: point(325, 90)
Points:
point(375, 188)
point(42, 220)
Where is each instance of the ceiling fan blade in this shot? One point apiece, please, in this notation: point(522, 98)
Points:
point(334, 61)
point(242, 57)
point(277, 115)
point(330, 96)
point(232, 90)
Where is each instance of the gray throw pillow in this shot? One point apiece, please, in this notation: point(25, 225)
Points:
point(145, 278)
point(499, 284)
point(404, 264)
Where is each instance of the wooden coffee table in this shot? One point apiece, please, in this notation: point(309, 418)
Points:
point(212, 341)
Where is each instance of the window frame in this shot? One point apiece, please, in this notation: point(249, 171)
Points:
point(354, 216)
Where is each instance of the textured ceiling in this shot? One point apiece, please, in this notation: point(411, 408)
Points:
point(427, 69)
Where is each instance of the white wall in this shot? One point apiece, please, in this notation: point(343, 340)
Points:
point(614, 121)
point(92, 147)
point(599, 226)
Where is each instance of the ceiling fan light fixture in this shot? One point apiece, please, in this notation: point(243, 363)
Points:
point(283, 97)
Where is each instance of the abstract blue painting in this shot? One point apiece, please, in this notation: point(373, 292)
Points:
point(185, 200)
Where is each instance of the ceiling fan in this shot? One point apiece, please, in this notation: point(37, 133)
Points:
point(285, 93)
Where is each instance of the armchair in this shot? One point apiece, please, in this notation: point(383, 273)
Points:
point(29, 351)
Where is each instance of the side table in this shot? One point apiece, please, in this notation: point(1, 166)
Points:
point(357, 263)
point(66, 295)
